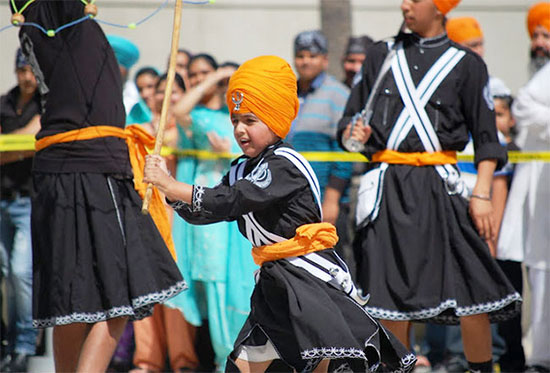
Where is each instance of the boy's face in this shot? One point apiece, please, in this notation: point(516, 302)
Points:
point(252, 135)
point(419, 15)
point(505, 120)
point(309, 65)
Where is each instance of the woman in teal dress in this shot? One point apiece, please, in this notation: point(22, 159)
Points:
point(214, 259)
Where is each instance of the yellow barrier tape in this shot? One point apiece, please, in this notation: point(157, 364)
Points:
point(10, 143)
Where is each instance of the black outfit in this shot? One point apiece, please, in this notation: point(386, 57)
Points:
point(305, 318)
point(422, 258)
point(15, 177)
point(95, 256)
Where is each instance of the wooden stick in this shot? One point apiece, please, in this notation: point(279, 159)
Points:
point(167, 94)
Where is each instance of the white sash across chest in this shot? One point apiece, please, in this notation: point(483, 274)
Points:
point(413, 115)
point(254, 231)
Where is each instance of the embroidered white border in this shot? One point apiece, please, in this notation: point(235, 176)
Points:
point(141, 307)
point(434, 313)
point(198, 193)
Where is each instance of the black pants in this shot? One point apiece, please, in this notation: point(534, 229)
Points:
point(513, 360)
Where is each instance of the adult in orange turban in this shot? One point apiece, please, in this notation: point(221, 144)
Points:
point(467, 32)
point(539, 15)
point(265, 86)
point(462, 29)
point(445, 6)
point(538, 24)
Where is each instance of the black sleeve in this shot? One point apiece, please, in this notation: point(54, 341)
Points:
point(197, 216)
point(185, 211)
point(271, 183)
point(478, 110)
point(360, 92)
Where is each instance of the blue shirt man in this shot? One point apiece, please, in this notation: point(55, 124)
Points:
point(322, 101)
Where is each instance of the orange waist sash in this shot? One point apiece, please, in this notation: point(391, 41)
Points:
point(415, 158)
point(309, 238)
point(138, 140)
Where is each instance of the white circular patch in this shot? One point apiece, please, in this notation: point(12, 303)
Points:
point(260, 176)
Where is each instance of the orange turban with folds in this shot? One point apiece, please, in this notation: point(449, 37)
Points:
point(445, 6)
point(265, 86)
point(539, 15)
point(463, 29)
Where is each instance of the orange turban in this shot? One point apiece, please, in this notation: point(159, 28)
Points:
point(539, 15)
point(445, 6)
point(463, 29)
point(265, 86)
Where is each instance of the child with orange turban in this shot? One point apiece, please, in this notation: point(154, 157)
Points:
point(305, 307)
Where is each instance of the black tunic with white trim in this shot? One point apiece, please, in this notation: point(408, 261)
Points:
point(303, 317)
point(421, 258)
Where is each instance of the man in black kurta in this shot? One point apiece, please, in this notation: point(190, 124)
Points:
point(418, 253)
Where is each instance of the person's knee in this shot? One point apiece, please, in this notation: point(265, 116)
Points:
point(231, 366)
point(475, 320)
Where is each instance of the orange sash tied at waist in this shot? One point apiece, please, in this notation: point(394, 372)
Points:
point(415, 158)
point(309, 238)
point(138, 140)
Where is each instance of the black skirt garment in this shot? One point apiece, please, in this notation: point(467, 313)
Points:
point(95, 255)
point(422, 258)
point(308, 320)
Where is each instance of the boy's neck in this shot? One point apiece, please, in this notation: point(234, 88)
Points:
point(434, 30)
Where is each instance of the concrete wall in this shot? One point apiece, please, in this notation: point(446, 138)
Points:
point(241, 29)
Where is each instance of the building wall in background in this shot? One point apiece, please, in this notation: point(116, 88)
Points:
point(240, 29)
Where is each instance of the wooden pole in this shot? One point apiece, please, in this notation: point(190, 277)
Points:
point(167, 94)
point(336, 25)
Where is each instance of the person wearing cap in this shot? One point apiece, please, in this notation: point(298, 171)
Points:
point(98, 261)
point(322, 100)
point(127, 55)
point(421, 243)
point(305, 309)
point(527, 214)
point(354, 55)
point(20, 111)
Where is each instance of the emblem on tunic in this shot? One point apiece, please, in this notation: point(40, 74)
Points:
point(237, 98)
point(260, 176)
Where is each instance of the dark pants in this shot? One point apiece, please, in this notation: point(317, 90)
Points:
point(513, 360)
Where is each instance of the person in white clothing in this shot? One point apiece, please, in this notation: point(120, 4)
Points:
point(528, 214)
